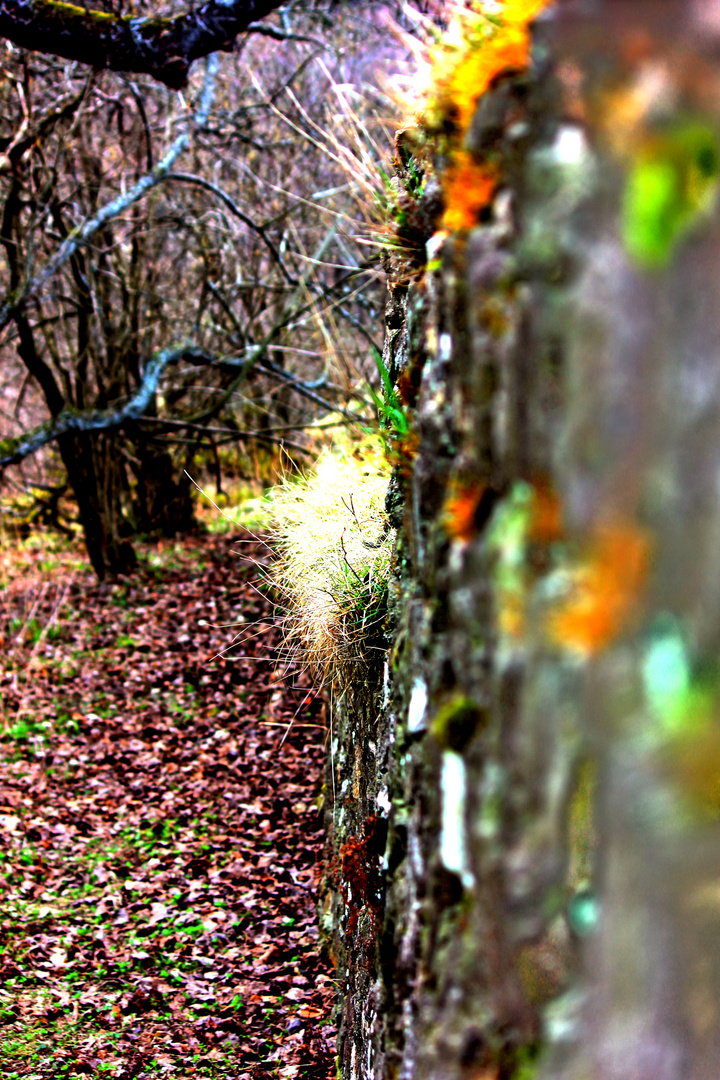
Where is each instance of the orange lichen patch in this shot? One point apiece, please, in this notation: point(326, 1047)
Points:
point(461, 511)
point(460, 85)
point(468, 508)
point(522, 11)
point(546, 520)
point(479, 46)
point(604, 591)
point(402, 451)
point(473, 52)
point(408, 384)
point(468, 188)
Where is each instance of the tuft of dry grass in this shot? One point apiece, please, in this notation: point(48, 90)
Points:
point(335, 554)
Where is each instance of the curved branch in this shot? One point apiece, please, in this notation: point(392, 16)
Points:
point(200, 181)
point(13, 451)
point(15, 148)
point(277, 34)
point(162, 47)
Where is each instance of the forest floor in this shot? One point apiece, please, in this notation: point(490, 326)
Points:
point(160, 847)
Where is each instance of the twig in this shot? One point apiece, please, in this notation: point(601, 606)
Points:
point(78, 238)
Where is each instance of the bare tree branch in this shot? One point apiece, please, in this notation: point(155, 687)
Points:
point(235, 432)
point(13, 451)
point(304, 389)
point(200, 181)
point(79, 237)
point(284, 35)
point(26, 137)
point(257, 354)
point(162, 47)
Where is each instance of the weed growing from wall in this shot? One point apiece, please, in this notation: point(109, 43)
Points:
point(392, 416)
point(335, 552)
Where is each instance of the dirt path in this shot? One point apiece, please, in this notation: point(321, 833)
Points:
point(158, 847)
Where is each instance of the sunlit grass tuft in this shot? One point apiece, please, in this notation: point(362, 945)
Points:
point(335, 553)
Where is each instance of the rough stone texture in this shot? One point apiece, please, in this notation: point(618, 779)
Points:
point(467, 771)
point(446, 835)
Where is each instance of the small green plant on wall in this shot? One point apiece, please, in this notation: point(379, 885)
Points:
point(335, 551)
point(392, 416)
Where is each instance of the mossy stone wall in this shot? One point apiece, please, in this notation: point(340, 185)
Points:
point(445, 855)
point(523, 851)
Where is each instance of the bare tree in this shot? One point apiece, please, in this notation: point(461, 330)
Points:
point(177, 280)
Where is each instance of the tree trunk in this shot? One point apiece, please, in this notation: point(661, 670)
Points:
point(98, 495)
point(161, 499)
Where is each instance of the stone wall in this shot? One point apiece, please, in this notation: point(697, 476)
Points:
point(522, 817)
